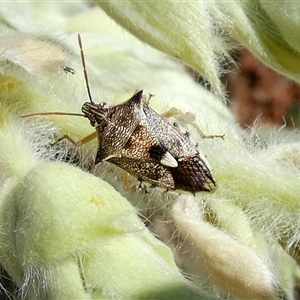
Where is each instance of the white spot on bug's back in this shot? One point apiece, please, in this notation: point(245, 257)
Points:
point(168, 160)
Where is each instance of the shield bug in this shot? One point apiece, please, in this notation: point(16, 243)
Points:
point(136, 138)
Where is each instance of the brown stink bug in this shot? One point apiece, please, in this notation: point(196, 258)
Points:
point(134, 137)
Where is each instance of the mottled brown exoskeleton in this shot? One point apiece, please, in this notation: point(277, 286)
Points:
point(134, 137)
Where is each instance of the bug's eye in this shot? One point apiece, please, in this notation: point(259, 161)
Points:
point(93, 123)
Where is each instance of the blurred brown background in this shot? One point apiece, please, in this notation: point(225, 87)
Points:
point(259, 94)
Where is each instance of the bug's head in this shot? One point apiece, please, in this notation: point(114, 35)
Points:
point(96, 113)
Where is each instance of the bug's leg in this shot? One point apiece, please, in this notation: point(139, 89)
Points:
point(143, 188)
point(78, 143)
point(189, 118)
point(126, 183)
point(127, 186)
point(147, 98)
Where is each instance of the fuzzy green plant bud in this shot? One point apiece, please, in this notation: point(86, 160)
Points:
point(181, 29)
point(269, 29)
point(68, 234)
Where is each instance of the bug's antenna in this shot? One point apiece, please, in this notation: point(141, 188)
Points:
point(54, 113)
point(84, 69)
